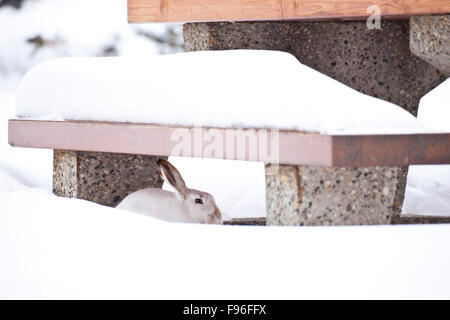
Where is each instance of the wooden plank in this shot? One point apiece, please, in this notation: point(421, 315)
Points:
point(140, 11)
point(284, 147)
point(387, 150)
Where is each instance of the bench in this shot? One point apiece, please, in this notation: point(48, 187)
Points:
point(297, 151)
point(318, 179)
point(295, 148)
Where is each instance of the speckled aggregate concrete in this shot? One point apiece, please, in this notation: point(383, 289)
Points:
point(104, 178)
point(376, 62)
point(430, 40)
point(306, 195)
point(65, 172)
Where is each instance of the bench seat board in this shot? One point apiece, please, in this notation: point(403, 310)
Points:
point(140, 11)
point(295, 148)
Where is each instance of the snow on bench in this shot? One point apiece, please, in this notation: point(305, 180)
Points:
point(223, 89)
point(138, 106)
point(249, 10)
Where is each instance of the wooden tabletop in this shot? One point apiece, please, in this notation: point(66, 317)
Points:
point(140, 11)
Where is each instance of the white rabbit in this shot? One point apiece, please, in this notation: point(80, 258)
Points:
point(184, 205)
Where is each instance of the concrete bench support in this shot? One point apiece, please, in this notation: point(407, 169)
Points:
point(307, 195)
point(430, 40)
point(104, 178)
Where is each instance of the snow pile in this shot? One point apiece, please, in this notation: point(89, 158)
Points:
point(237, 88)
point(64, 248)
point(428, 187)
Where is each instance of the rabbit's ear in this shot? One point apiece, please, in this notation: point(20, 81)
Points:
point(173, 176)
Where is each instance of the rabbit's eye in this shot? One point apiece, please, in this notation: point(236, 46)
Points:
point(198, 201)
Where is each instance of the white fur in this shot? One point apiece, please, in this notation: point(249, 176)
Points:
point(179, 206)
point(156, 203)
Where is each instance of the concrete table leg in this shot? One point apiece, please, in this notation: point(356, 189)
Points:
point(104, 178)
point(430, 40)
point(306, 195)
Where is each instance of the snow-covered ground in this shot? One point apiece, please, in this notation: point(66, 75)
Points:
point(64, 248)
point(52, 247)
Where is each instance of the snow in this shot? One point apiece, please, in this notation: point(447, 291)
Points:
point(428, 191)
point(65, 248)
point(428, 187)
point(239, 187)
point(53, 247)
point(434, 108)
point(9, 183)
point(32, 167)
point(236, 88)
point(72, 28)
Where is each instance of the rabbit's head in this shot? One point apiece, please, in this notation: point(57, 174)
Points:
point(201, 206)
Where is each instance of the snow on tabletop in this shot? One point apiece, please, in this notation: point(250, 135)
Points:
point(62, 248)
point(236, 88)
point(428, 187)
point(434, 108)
